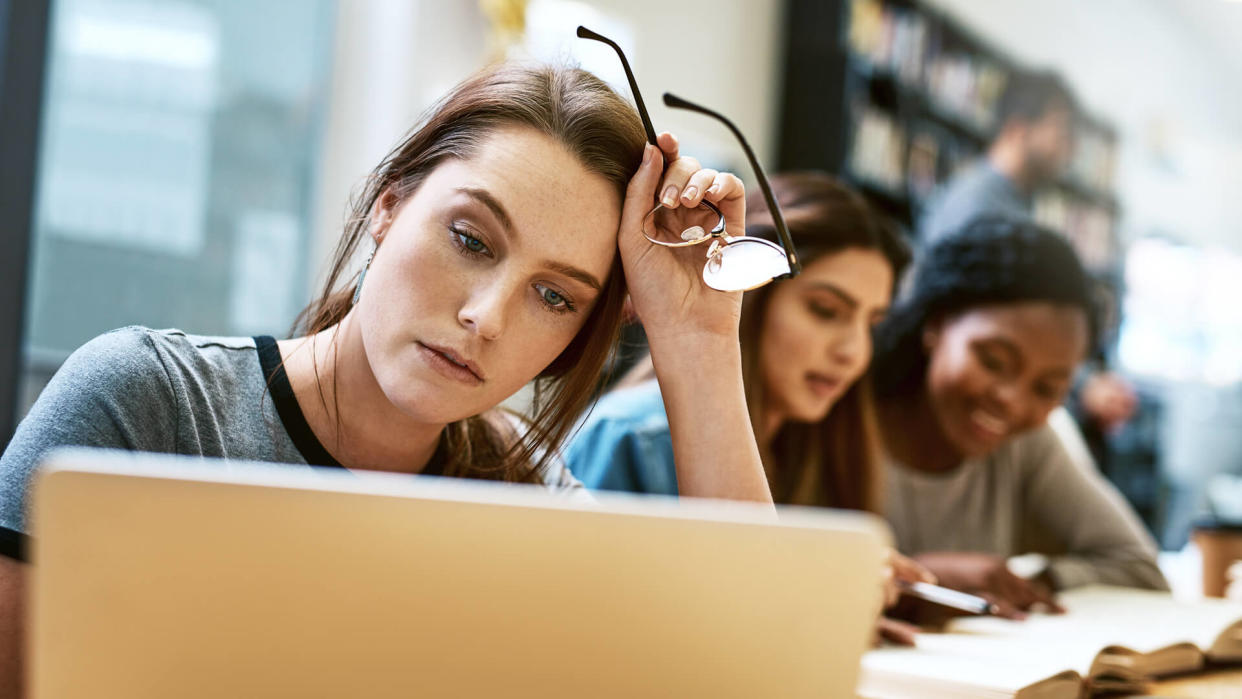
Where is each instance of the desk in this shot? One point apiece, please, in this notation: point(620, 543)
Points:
point(1220, 684)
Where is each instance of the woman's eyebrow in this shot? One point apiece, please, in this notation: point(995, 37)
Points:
point(1059, 374)
point(575, 273)
point(842, 294)
point(1003, 344)
point(485, 198)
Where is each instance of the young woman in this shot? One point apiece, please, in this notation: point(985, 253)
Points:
point(806, 344)
point(968, 366)
point(500, 239)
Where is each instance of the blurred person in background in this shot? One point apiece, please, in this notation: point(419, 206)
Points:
point(1032, 146)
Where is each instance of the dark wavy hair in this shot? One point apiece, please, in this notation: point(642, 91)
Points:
point(990, 261)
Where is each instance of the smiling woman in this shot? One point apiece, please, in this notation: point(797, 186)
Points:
point(969, 366)
point(503, 235)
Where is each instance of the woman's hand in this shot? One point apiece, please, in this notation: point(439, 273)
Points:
point(897, 570)
point(894, 631)
point(692, 329)
point(666, 284)
point(988, 576)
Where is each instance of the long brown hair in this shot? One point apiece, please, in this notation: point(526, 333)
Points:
point(834, 462)
point(588, 118)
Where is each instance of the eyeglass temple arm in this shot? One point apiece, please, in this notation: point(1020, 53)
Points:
point(584, 33)
point(778, 219)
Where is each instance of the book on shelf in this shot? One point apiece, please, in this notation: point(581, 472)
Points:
point(1110, 640)
point(962, 84)
point(1087, 224)
point(878, 148)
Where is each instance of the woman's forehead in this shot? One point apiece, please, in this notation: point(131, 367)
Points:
point(863, 273)
point(1035, 326)
point(555, 206)
point(538, 171)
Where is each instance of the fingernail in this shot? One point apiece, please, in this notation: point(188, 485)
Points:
point(670, 196)
point(647, 151)
point(690, 192)
point(714, 189)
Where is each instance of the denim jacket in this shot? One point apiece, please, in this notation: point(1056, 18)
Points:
point(625, 444)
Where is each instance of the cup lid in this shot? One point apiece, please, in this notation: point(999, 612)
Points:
point(1217, 524)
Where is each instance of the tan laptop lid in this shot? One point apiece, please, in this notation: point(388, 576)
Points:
point(158, 577)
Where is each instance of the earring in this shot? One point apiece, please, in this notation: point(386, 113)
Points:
point(363, 275)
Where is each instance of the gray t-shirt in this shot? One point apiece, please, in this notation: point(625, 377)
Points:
point(1027, 496)
point(166, 391)
point(979, 191)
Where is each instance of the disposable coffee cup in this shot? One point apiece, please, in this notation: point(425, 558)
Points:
point(1220, 544)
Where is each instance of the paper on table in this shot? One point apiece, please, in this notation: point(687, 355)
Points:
point(1141, 620)
point(947, 665)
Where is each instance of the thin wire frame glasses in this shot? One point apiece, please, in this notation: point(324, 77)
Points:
point(734, 263)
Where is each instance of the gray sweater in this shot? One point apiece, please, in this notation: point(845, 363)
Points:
point(978, 191)
point(1028, 496)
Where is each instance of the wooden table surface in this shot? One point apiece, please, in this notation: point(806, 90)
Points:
point(1219, 684)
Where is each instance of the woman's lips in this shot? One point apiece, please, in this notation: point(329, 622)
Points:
point(822, 386)
point(987, 425)
point(449, 364)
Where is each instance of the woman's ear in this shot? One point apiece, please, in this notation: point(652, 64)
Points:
point(382, 213)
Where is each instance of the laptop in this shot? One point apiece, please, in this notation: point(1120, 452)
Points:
point(158, 576)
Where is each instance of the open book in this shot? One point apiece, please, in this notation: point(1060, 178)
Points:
point(1111, 639)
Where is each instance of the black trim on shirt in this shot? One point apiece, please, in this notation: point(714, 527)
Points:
point(14, 545)
point(294, 420)
point(286, 403)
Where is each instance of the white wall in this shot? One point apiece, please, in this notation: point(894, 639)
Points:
point(394, 58)
point(726, 55)
point(1167, 75)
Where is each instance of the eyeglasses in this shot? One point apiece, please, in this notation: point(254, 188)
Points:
point(734, 263)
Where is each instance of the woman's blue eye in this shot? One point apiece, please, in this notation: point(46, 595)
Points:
point(553, 299)
point(468, 243)
point(472, 244)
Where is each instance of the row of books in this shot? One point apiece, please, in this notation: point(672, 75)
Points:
point(911, 161)
point(889, 38)
point(1094, 158)
point(967, 86)
point(1088, 224)
point(879, 149)
point(906, 43)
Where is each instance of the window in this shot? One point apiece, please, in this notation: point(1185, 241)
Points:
point(176, 170)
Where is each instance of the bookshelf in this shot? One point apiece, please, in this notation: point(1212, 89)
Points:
point(895, 97)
